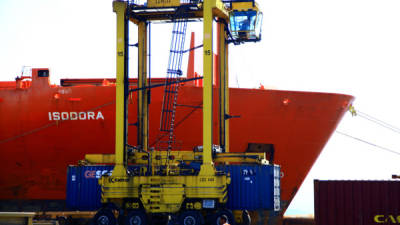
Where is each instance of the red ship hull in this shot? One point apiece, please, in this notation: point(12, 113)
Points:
point(45, 128)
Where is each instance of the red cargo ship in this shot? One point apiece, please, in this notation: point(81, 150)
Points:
point(44, 128)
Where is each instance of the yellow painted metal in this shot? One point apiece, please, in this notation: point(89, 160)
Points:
point(197, 206)
point(237, 214)
point(352, 110)
point(227, 96)
point(143, 108)
point(221, 77)
point(164, 193)
point(244, 6)
point(160, 158)
point(163, 197)
point(219, 10)
point(164, 16)
point(163, 3)
point(100, 158)
point(71, 214)
point(208, 55)
point(120, 120)
point(23, 218)
point(224, 87)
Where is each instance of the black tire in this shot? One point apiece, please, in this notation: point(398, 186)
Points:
point(121, 219)
point(136, 217)
point(62, 220)
point(190, 218)
point(246, 219)
point(104, 217)
point(219, 213)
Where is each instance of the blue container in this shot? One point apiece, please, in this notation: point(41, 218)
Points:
point(83, 189)
point(253, 187)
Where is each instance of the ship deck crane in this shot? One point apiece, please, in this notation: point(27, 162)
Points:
point(164, 184)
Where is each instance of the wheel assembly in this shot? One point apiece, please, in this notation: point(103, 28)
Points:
point(104, 217)
point(223, 212)
point(136, 217)
point(246, 219)
point(190, 218)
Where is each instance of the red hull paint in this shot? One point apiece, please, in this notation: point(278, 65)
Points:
point(35, 151)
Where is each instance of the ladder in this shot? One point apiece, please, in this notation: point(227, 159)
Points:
point(174, 71)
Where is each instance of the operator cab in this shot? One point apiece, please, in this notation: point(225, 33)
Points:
point(245, 21)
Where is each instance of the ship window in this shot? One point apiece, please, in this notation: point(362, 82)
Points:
point(43, 73)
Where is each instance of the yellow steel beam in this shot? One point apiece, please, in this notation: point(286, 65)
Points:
point(160, 4)
point(226, 101)
point(207, 168)
point(142, 82)
point(223, 88)
point(100, 158)
point(219, 9)
point(160, 194)
point(17, 218)
point(120, 120)
point(72, 214)
point(178, 156)
point(244, 6)
point(211, 8)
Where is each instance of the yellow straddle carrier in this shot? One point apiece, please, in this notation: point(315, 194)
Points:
point(158, 185)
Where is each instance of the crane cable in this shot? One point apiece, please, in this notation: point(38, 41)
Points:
point(363, 115)
point(369, 143)
point(355, 112)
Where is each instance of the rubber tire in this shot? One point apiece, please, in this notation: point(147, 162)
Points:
point(228, 213)
point(246, 219)
point(102, 215)
point(62, 220)
point(135, 213)
point(196, 217)
point(121, 220)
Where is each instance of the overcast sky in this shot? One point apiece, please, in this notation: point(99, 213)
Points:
point(341, 46)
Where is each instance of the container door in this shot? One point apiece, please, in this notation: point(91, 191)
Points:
point(72, 187)
point(90, 190)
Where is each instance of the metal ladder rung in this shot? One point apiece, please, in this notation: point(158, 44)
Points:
point(178, 72)
point(173, 73)
point(174, 51)
point(178, 32)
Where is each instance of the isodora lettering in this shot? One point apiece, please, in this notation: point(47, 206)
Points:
point(76, 115)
